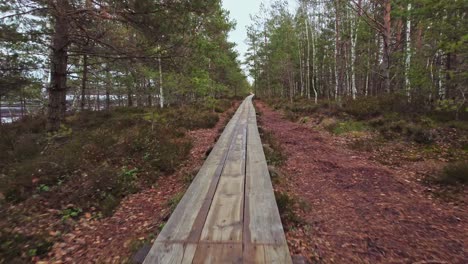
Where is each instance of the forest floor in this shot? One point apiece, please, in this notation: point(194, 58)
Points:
point(351, 206)
point(140, 216)
point(114, 179)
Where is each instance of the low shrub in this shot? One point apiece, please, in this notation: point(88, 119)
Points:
point(328, 123)
point(21, 140)
point(222, 105)
point(372, 106)
point(71, 212)
point(273, 151)
point(27, 146)
point(286, 204)
point(284, 201)
point(109, 204)
point(401, 128)
point(174, 201)
point(419, 134)
point(98, 144)
point(454, 174)
point(19, 248)
point(305, 109)
point(347, 126)
point(461, 125)
point(93, 162)
point(291, 116)
point(190, 118)
point(91, 119)
point(363, 108)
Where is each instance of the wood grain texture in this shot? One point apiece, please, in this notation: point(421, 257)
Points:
point(224, 221)
point(180, 223)
point(173, 253)
point(265, 238)
point(269, 254)
point(262, 205)
point(229, 213)
point(218, 254)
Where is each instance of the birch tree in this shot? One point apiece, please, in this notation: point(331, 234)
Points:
point(408, 53)
point(410, 48)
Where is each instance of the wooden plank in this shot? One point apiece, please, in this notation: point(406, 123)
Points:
point(171, 253)
point(180, 224)
point(229, 213)
point(269, 254)
point(218, 253)
point(200, 220)
point(224, 221)
point(182, 218)
point(261, 209)
point(262, 205)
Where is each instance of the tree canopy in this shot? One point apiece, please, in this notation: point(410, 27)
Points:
point(140, 51)
point(337, 49)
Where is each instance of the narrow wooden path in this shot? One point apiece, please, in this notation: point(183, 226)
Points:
point(229, 213)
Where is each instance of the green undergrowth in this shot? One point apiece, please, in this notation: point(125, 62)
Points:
point(287, 204)
point(393, 129)
point(174, 201)
point(15, 246)
point(347, 127)
point(91, 163)
point(454, 174)
point(392, 117)
point(272, 149)
point(449, 184)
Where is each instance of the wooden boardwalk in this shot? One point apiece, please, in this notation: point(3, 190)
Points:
point(229, 213)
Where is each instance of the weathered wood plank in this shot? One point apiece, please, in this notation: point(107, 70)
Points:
point(224, 221)
point(171, 253)
point(229, 213)
point(262, 206)
point(218, 254)
point(180, 224)
point(269, 254)
point(262, 222)
point(181, 220)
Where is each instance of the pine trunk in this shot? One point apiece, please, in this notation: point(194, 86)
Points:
point(58, 73)
point(386, 46)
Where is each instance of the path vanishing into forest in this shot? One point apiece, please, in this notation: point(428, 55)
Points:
point(229, 213)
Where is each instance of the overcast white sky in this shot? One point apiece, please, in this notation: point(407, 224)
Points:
point(240, 11)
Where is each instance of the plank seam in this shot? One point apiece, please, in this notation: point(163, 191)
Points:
point(195, 235)
point(246, 236)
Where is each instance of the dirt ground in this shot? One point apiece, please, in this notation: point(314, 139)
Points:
point(358, 211)
point(138, 218)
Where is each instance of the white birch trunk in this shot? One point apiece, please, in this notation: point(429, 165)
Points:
point(441, 78)
point(353, 56)
point(161, 95)
point(308, 57)
point(312, 31)
point(337, 79)
point(300, 67)
point(367, 83)
point(408, 55)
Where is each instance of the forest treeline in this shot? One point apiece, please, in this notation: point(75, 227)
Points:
point(412, 50)
point(92, 54)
